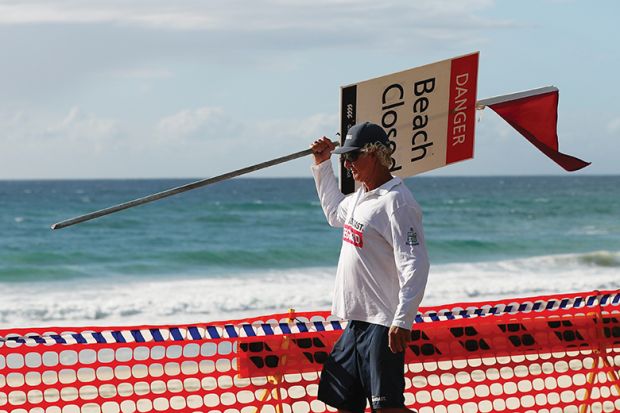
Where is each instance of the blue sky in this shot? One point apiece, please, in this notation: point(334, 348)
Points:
point(113, 89)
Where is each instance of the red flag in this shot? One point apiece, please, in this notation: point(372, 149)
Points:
point(535, 117)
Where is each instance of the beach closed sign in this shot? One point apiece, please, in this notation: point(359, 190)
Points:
point(428, 113)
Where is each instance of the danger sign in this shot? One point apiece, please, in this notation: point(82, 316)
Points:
point(428, 113)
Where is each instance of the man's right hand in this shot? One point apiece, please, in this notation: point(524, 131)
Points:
point(322, 149)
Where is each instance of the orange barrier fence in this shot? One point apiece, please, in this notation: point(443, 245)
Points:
point(550, 354)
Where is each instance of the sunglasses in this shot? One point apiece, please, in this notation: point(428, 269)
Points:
point(352, 156)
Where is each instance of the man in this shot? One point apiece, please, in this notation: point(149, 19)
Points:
point(381, 276)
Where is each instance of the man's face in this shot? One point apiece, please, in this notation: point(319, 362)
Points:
point(363, 168)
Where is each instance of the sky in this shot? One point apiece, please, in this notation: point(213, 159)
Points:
point(196, 88)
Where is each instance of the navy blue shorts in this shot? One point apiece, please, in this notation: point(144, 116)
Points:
point(362, 367)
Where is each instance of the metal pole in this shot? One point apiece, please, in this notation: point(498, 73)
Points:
point(180, 189)
point(481, 104)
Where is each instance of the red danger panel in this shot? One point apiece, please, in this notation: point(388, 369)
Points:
point(462, 109)
point(558, 353)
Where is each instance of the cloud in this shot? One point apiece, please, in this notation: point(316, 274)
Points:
point(240, 14)
point(206, 123)
point(219, 130)
point(210, 141)
point(492, 128)
point(613, 126)
point(47, 46)
point(343, 21)
point(79, 126)
point(15, 125)
point(28, 129)
point(310, 127)
point(76, 143)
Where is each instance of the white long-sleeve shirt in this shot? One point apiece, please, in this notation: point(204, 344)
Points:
point(383, 265)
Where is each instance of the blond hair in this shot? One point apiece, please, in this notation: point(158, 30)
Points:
point(383, 153)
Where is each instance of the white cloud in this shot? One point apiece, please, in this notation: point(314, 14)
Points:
point(348, 18)
point(45, 144)
point(208, 141)
point(49, 46)
point(25, 131)
point(310, 127)
point(207, 123)
point(80, 126)
point(492, 128)
point(219, 130)
point(613, 126)
point(15, 125)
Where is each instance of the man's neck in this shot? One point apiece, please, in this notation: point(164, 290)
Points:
point(378, 180)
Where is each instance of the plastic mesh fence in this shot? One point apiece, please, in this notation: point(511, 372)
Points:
point(542, 354)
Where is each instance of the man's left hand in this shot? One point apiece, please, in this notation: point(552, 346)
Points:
point(398, 339)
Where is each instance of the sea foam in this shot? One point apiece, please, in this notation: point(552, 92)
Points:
point(126, 300)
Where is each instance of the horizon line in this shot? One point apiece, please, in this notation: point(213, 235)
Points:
point(567, 174)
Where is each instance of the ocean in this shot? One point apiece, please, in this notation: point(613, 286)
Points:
point(254, 246)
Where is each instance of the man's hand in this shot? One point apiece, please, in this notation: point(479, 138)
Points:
point(322, 149)
point(398, 339)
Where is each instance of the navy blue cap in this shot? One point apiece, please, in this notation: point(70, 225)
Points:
point(362, 134)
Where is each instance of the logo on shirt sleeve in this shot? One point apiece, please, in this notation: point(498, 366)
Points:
point(353, 236)
point(412, 237)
